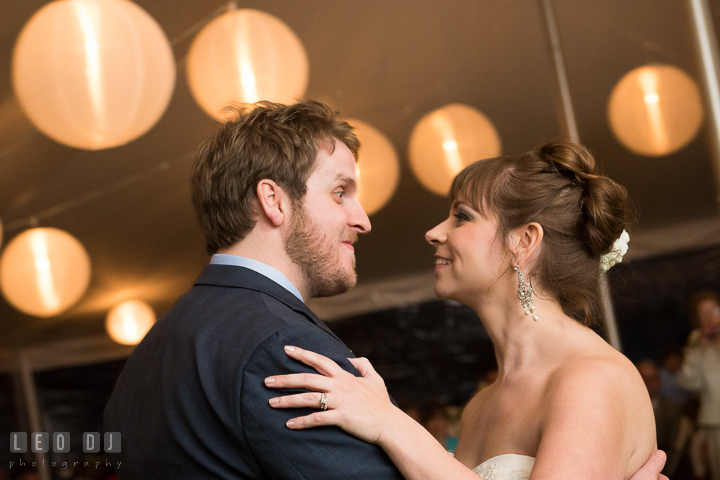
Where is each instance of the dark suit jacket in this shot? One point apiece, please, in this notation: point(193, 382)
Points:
point(191, 402)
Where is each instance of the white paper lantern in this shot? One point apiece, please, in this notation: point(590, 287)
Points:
point(93, 74)
point(128, 322)
point(655, 110)
point(447, 140)
point(44, 271)
point(378, 168)
point(244, 56)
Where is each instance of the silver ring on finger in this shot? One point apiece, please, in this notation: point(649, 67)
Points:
point(323, 401)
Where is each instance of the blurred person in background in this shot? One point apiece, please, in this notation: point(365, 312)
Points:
point(668, 416)
point(670, 365)
point(700, 372)
point(436, 420)
point(410, 409)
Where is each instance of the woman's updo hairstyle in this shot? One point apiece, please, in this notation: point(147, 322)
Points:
point(582, 214)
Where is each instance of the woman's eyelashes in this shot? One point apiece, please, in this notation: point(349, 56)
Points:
point(461, 217)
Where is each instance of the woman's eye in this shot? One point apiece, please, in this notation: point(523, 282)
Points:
point(461, 217)
point(340, 193)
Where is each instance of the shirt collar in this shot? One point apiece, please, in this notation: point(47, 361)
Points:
point(259, 267)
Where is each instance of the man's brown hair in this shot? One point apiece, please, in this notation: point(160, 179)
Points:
point(264, 141)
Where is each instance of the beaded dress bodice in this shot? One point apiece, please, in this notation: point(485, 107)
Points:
point(506, 467)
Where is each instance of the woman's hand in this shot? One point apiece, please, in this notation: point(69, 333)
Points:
point(359, 405)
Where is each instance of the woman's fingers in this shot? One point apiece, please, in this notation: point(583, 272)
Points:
point(317, 419)
point(319, 362)
point(299, 400)
point(310, 381)
point(364, 366)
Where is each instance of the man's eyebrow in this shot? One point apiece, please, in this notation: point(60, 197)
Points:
point(348, 180)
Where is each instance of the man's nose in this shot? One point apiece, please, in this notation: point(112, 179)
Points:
point(359, 220)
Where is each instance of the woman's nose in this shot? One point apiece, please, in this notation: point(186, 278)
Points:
point(436, 235)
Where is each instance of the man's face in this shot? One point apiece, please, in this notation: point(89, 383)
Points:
point(325, 228)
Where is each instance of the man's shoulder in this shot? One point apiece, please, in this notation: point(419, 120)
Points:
point(238, 302)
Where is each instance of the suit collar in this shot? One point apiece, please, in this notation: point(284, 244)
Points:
point(241, 277)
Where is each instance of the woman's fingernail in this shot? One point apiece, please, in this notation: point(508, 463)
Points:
point(269, 380)
point(289, 348)
point(290, 423)
point(273, 401)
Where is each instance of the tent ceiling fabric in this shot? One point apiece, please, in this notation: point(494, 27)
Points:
point(385, 63)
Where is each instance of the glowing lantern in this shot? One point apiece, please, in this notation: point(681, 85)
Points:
point(128, 322)
point(655, 110)
point(93, 74)
point(244, 56)
point(378, 169)
point(44, 271)
point(447, 140)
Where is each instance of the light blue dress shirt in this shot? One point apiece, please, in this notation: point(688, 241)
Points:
point(259, 267)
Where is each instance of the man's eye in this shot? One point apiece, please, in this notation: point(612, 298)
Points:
point(340, 193)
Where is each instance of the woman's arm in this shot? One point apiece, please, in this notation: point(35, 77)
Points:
point(361, 406)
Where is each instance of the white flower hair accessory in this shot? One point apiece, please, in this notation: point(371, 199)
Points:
point(615, 255)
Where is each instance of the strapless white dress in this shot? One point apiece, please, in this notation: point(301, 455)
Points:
point(506, 467)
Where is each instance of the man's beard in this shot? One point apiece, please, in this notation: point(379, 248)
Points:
point(310, 250)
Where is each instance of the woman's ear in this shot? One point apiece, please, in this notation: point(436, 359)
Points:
point(273, 200)
point(527, 240)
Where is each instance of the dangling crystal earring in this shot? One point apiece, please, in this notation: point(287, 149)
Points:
point(524, 294)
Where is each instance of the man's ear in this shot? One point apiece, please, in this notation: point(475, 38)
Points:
point(527, 240)
point(273, 201)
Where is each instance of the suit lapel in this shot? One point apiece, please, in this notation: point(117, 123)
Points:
point(241, 277)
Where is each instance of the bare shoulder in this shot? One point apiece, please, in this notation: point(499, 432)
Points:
point(598, 369)
point(597, 402)
point(602, 380)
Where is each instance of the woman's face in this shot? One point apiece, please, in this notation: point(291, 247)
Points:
point(469, 256)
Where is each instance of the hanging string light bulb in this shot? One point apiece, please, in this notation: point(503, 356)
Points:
point(93, 74)
point(378, 168)
point(447, 140)
point(244, 56)
point(44, 271)
point(655, 110)
point(129, 321)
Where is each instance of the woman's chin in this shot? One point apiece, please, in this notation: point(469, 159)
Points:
point(443, 293)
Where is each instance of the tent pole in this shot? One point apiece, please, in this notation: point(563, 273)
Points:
point(565, 106)
point(706, 43)
point(569, 126)
point(32, 407)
